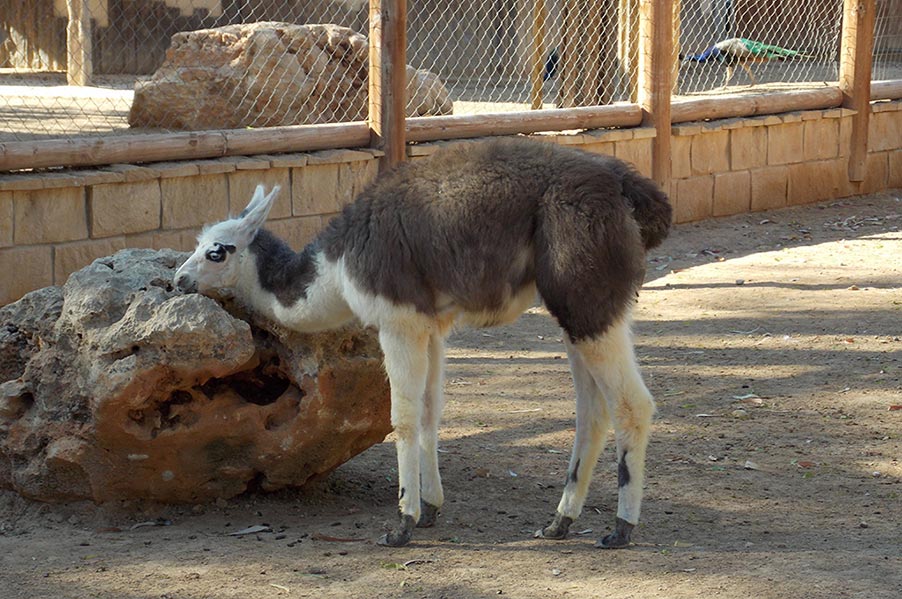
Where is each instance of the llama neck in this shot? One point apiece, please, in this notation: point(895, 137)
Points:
point(300, 290)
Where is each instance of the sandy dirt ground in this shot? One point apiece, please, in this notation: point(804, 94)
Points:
point(773, 344)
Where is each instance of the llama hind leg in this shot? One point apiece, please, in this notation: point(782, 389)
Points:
point(592, 423)
point(431, 495)
point(612, 362)
point(406, 363)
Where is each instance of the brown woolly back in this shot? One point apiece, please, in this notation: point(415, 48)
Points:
point(477, 223)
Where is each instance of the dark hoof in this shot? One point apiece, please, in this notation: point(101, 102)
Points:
point(428, 515)
point(400, 536)
point(556, 530)
point(618, 539)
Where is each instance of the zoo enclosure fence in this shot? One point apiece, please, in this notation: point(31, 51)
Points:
point(69, 70)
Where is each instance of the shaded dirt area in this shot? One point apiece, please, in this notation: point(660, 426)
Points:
point(773, 343)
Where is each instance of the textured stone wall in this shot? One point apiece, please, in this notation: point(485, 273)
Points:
point(52, 224)
point(750, 164)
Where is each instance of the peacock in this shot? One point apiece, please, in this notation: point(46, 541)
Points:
point(741, 51)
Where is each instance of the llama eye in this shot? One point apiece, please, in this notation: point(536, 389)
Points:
point(216, 255)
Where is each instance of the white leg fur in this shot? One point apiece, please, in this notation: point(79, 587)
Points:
point(612, 362)
point(592, 424)
point(407, 365)
point(433, 403)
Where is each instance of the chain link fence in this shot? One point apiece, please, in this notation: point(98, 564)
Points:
point(727, 45)
point(155, 65)
point(512, 55)
point(888, 40)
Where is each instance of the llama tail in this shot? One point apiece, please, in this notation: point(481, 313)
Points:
point(651, 208)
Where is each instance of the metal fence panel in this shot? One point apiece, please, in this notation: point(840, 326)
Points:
point(730, 44)
point(281, 77)
point(464, 57)
point(888, 40)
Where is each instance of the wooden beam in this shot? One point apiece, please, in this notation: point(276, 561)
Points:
point(388, 79)
point(90, 151)
point(79, 65)
point(540, 17)
point(739, 105)
point(511, 123)
point(677, 26)
point(655, 73)
point(569, 64)
point(628, 46)
point(855, 59)
point(593, 89)
point(890, 89)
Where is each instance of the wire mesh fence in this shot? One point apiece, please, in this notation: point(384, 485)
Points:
point(729, 44)
point(501, 55)
point(888, 40)
point(181, 65)
point(164, 65)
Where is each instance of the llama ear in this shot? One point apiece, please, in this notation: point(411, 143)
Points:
point(254, 215)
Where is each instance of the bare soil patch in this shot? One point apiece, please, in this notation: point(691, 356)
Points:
point(773, 344)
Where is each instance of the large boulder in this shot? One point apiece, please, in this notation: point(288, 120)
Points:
point(115, 386)
point(268, 74)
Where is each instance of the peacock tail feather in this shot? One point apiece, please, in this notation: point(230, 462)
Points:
point(768, 51)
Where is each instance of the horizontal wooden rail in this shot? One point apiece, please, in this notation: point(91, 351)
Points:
point(432, 128)
point(90, 151)
point(890, 89)
point(192, 145)
point(747, 105)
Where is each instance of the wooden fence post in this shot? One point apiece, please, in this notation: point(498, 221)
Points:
point(540, 18)
point(855, 77)
point(388, 79)
point(568, 65)
point(79, 67)
point(677, 29)
point(655, 75)
point(628, 45)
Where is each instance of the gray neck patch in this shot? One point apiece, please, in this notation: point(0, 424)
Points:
point(283, 272)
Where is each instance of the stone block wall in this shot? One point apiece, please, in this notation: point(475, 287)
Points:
point(52, 224)
point(741, 165)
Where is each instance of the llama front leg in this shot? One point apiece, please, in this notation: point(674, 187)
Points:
point(612, 362)
point(431, 494)
point(592, 425)
point(406, 363)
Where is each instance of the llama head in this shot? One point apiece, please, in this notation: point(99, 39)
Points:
point(215, 263)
